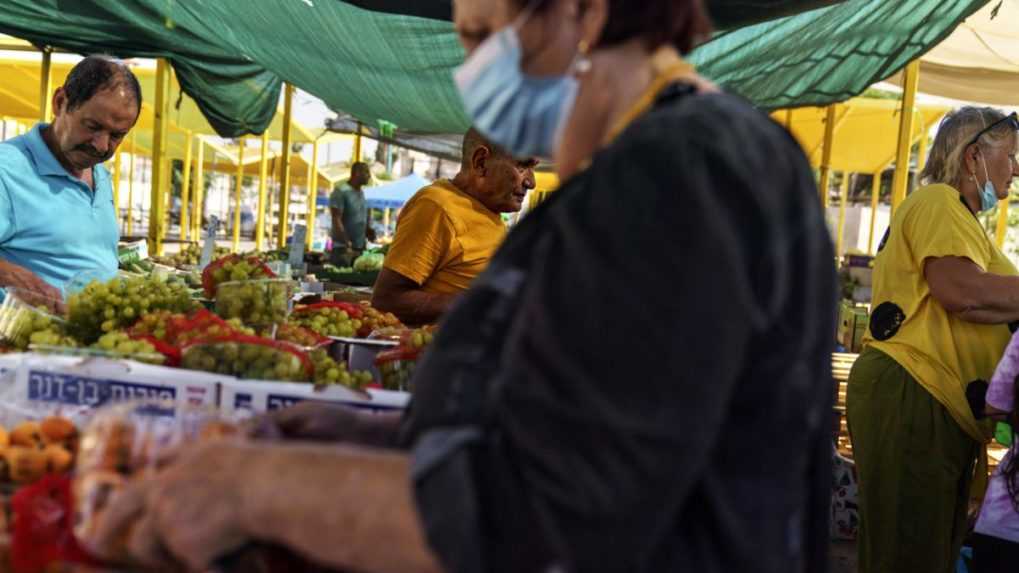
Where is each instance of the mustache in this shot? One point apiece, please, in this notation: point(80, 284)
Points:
point(88, 149)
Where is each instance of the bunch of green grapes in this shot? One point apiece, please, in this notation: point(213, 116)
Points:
point(421, 338)
point(155, 323)
point(52, 336)
point(238, 326)
point(19, 322)
point(294, 334)
point(240, 269)
point(375, 319)
point(255, 303)
point(328, 321)
point(329, 372)
point(118, 343)
point(105, 307)
point(397, 374)
point(245, 360)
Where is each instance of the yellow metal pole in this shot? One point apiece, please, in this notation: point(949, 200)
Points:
point(185, 188)
point(312, 195)
point(270, 229)
point(357, 145)
point(46, 86)
point(263, 186)
point(921, 160)
point(843, 196)
point(237, 196)
point(199, 200)
point(159, 167)
point(116, 184)
point(829, 136)
point(875, 195)
point(906, 116)
point(1002, 229)
point(130, 187)
point(288, 124)
point(385, 219)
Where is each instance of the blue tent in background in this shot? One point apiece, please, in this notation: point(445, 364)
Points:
point(395, 194)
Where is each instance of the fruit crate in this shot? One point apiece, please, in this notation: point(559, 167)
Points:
point(359, 353)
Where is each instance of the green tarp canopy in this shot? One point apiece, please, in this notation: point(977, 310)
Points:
point(725, 13)
point(377, 63)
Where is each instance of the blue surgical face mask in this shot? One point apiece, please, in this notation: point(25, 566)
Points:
point(523, 114)
point(988, 196)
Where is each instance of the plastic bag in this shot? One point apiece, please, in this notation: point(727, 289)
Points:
point(374, 319)
point(43, 533)
point(183, 329)
point(341, 319)
point(24, 314)
point(233, 268)
point(305, 338)
point(353, 310)
point(260, 302)
point(130, 441)
point(176, 330)
point(397, 365)
point(249, 357)
point(37, 452)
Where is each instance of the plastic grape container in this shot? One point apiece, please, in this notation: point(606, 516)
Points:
point(259, 303)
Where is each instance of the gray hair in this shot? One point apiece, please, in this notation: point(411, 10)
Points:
point(955, 133)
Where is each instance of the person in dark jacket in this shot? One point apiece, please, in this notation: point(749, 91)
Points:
point(640, 381)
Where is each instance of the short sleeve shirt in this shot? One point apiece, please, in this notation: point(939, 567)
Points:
point(943, 352)
point(51, 222)
point(640, 381)
point(998, 516)
point(355, 213)
point(444, 239)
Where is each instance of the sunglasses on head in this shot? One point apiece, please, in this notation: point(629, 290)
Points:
point(1011, 119)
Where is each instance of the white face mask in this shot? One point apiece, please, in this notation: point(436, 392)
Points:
point(524, 114)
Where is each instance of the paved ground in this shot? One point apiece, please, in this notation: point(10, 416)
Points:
point(843, 557)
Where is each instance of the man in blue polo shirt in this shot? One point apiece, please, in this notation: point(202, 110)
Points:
point(56, 199)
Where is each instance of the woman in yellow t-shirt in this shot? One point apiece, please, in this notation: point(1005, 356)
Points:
point(943, 296)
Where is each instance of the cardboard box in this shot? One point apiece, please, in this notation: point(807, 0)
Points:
point(94, 382)
point(853, 322)
point(244, 397)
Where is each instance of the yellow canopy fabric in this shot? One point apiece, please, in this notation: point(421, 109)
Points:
point(978, 62)
point(224, 160)
point(866, 132)
point(20, 98)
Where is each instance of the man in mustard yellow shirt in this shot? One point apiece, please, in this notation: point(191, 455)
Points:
point(449, 231)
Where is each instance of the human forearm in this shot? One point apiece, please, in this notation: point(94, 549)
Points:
point(378, 430)
point(339, 232)
point(990, 299)
point(367, 522)
point(974, 295)
point(414, 306)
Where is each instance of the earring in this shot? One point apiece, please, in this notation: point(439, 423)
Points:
point(583, 64)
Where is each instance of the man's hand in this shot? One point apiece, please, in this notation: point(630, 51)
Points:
point(30, 288)
point(307, 421)
point(406, 299)
point(316, 421)
point(190, 513)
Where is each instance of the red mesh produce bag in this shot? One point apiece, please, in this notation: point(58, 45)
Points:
point(352, 310)
point(43, 527)
point(183, 329)
point(303, 337)
point(171, 352)
point(250, 357)
point(209, 282)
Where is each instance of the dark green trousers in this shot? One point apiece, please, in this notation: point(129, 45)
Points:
point(914, 464)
